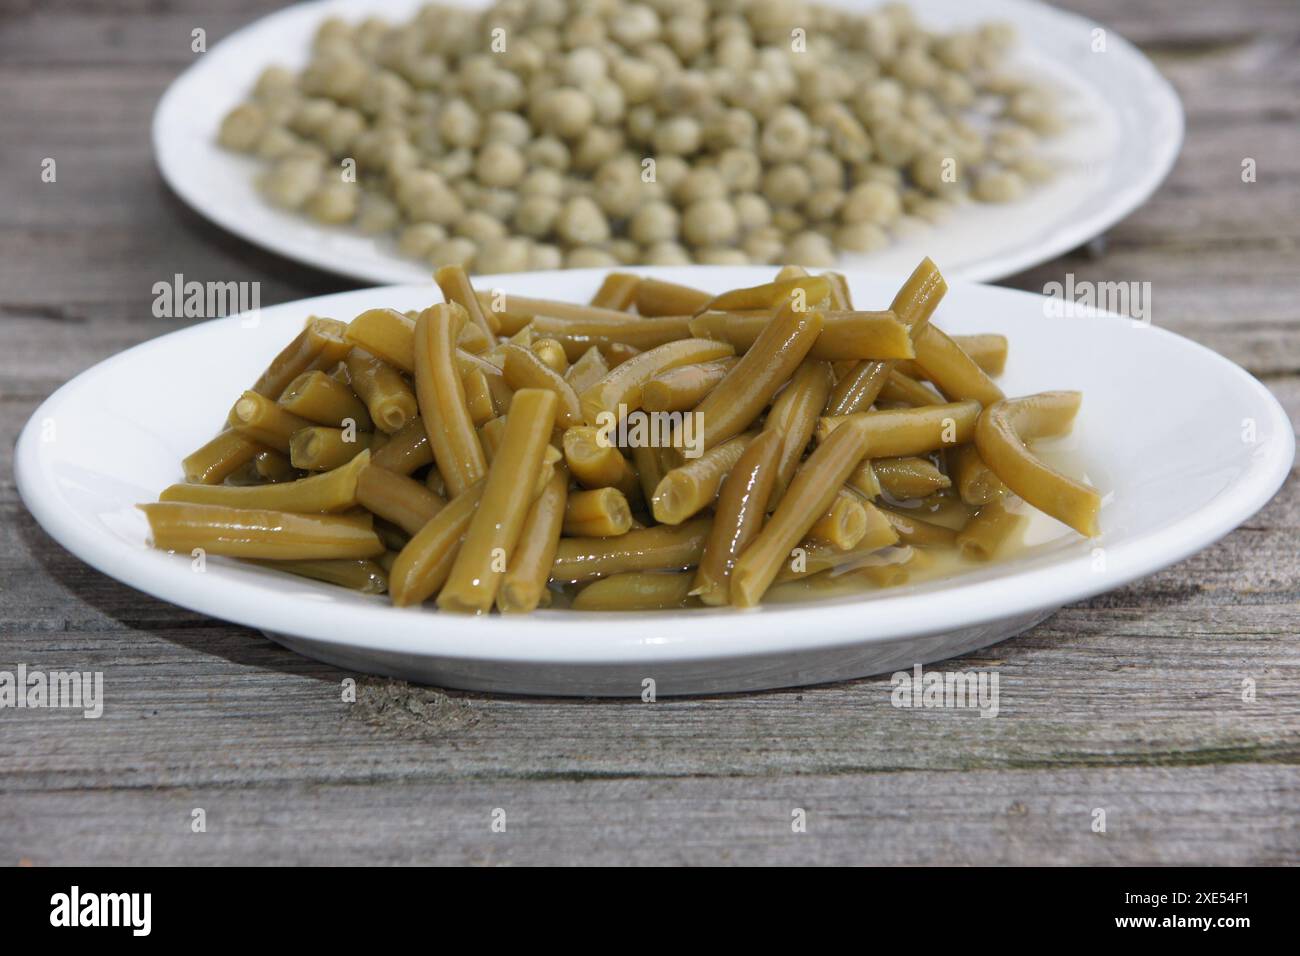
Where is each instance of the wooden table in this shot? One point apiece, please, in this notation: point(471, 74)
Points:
point(1131, 702)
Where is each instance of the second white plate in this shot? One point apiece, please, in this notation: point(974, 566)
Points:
point(1125, 129)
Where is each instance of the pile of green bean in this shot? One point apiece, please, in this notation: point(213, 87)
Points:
point(465, 453)
point(536, 134)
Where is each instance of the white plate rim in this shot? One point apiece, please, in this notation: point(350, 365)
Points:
point(647, 637)
point(1069, 234)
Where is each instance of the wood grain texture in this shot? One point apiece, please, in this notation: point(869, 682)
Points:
point(1131, 702)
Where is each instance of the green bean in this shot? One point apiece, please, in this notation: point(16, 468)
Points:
point(523, 588)
point(907, 390)
point(844, 523)
point(552, 355)
point(386, 334)
point(839, 294)
point(916, 531)
point(664, 548)
point(320, 345)
point(327, 492)
point(256, 533)
point(635, 591)
point(681, 389)
point(845, 335)
point(622, 389)
point(323, 399)
point(456, 287)
point(813, 556)
point(738, 516)
point(650, 468)
point(494, 531)
point(589, 369)
point(694, 485)
point(320, 448)
point(976, 484)
point(218, 458)
point(490, 434)
point(864, 481)
point(478, 397)
point(617, 291)
point(577, 336)
point(598, 513)
point(1001, 435)
point(407, 450)
point(909, 431)
point(362, 575)
point(814, 487)
point(794, 414)
point(599, 464)
point(393, 537)
point(387, 397)
point(989, 531)
point(523, 369)
point(913, 305)
point(513, 312)
point(396, 498)
point(258, 418)
point(908, 477)
point(740, 397)
point(987, 349)
point(808, 291)
point(943, 508)
point(422, 566)
point(656, 297)
point(952, 370)
point(441, 396)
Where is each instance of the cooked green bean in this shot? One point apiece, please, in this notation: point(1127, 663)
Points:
point(1001, 435)
point(490, 434)
point(991, 530)
point(393, 537)
point(650, 468)
point(256, 533)
point(908, 477)
point(843, 524)
point(975, 482)
point(635, 591)
point(523, 369)
point(321, 448)
point(844, 335)
point(552, 355)
point(327, 492)
point(589, 369)
point(273, 466)
point(598, 464)
point(407, 450)
point(396, 498)
point(809, 291)
point(478, 397)
point(386, 334)
point(864, 481)
point(390, 401)
point(694, 485)
point(513, 312)
point(839, 295)
point(662, 548)
point(794, 414)
point(262, 420)
point(323, 399)
point(218, 458)
point(987, 349)
point(320, 345)
point(617, 291)
point(738, 516)
point(422, 566)
point(366, 576)
point(813, 556)
point(681, 389)
point(598, 513)
point(913, 305)
point(953, 371)
point(455, 286)
point(907, 390)
point(656, 297)
point(523, 588)
point(740, 397)
point(494, 531)
point(576, 336)
point(813, 488)
point(915, 531)
point(909, 431)
point(622, 388)
point(944, 508)
point(441, 396)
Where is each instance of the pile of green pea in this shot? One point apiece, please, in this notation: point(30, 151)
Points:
point(540, 134)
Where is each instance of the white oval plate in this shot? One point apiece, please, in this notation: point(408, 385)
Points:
point(1126, 126)
point(1184, 444)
